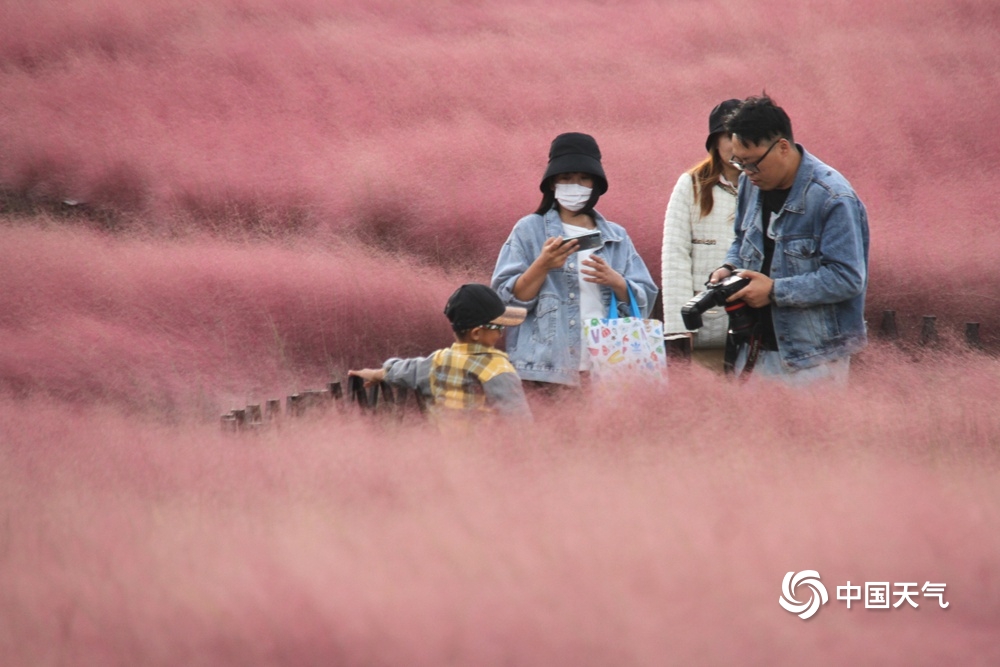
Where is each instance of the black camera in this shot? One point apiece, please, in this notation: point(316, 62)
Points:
point(741, 316)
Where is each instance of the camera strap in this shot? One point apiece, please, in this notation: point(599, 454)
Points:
point(729, 357)
point(752, 353)
point(733, 345)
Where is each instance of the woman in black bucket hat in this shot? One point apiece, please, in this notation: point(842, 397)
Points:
point(562, 264)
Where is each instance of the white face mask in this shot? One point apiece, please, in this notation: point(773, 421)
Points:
point(571, 196)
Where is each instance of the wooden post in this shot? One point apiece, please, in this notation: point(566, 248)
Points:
point(421, 401)
point(272, 409)
point(228, 422)
point(293, 405)
point(356, 386)
point(928, 334)
point(388, 397)
point(972, 335)
point(298, 404)
point(241, 418)
point(335, 390)
point(336, 393)
point(254, 417)
point(888, 329)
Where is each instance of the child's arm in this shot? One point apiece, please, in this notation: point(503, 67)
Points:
point(369, 375)
point(412, 373)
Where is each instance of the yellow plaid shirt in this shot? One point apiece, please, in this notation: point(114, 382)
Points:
point(458, 373)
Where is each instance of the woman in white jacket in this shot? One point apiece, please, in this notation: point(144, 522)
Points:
point(697, 233)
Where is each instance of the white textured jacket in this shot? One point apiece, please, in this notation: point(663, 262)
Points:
point(693, 247)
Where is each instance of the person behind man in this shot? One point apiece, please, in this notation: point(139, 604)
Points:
point(697, 232)
point(802, 241)
point(471, 376)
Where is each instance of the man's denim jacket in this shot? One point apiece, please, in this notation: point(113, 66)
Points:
point(546, 347)
point(820, 264)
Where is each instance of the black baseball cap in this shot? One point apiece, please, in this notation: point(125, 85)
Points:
point(717, 119)
point(474, 305)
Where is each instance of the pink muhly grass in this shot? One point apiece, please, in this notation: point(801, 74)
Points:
point(87, 317)
point(341, 539)
point(313, 115)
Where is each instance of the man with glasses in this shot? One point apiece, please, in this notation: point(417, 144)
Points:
point(802, 241)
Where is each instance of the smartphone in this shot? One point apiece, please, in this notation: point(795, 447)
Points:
point(591, 239)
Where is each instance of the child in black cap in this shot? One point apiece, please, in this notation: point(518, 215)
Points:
point(471, 375)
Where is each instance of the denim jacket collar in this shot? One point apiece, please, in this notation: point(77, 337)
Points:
point(796, 201)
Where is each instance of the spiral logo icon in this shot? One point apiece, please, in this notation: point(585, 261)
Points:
point(817, 594)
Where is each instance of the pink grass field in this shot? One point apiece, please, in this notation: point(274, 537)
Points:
point(209, 204)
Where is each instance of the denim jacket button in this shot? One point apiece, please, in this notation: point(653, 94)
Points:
point(572, 295)
point(572, 323)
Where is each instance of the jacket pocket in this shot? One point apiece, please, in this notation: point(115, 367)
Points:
point(546, 318)
point(812, 329)
point(801, 256)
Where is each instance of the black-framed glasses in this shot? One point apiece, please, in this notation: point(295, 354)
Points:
point(752, 167)
point(492, 327)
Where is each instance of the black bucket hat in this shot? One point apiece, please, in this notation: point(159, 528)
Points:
point(717, 119)
point(575, 151)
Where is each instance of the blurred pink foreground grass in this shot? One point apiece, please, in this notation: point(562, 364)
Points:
point(660, 536)
point(276, 190)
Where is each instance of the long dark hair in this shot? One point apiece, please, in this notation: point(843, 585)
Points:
point(549, 198)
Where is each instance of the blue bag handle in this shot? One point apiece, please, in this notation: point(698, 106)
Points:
point(613, 310)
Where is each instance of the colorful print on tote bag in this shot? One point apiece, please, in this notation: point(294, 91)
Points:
point(625, 345)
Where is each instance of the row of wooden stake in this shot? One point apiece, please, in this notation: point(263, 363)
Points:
point(381, 397)
point(928, 330)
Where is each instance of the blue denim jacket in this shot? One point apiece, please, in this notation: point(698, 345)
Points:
point(546, 347)
point(820, 264)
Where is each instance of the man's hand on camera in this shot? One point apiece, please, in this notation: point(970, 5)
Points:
point(758, 293)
